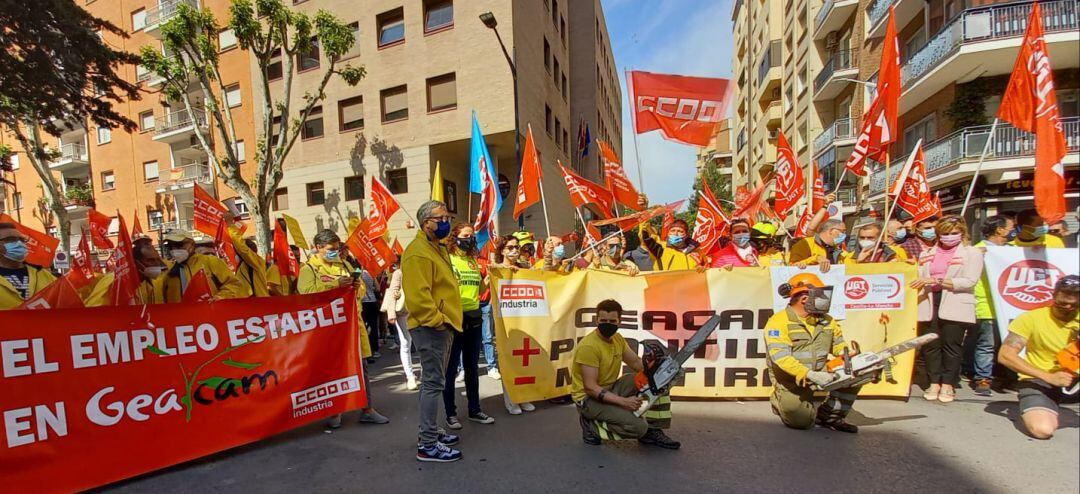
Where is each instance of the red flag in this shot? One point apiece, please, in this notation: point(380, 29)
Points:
point(208, 211)
point(629, 222)
point(398, 249)
point(484, 224)
point(752, 204)
point(287, 264)
point(915, 197)
point(528, 191)
point(372, 252)
point(685, 109)
point(584, 192)
point(790, 184)
point(82, 266)
point(615, 178)
point(669, 219)
point(879, 125)
point(1030, 104)
point(198, 289)
point(381, 208)
point(126, 282)
point(136, 228)
point(223, 246)
point(741, 193)
point(711, 222)
point(592, 234)
point(99, 229)
point(818, 200)
point(41, 247)
point(60, 294)
point(804, 223)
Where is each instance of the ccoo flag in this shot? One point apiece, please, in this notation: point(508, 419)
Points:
point(528, 191)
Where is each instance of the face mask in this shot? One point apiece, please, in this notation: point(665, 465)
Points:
point(607, 330)
point(1011, 235)
point(442, 229)
point(15, 250)
point(928, 234)
point(467, 244)
point(1040, 231)
point(866, 244)
point(559, 251)
point(840, 239)
point(741, 239)
point(613, 250)
point(900, 235)
point(179, 255)
point(153, 271)
point(333, 255)
point(674, 239)
point(951, 240)
point(818, 300)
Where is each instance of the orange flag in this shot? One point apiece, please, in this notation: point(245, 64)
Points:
point(82, 266)
point(99, 229)
point(914, 195)
point(630, 221)
point(751, 204)
point(41, 247)
point(198, 289)
point(790, 184)
point(817, 201)
point(382, 207)
point(287, 264)
point(1030, 104)
point(223, 245)
point(804, 223)
point(398, 249)
point(528, 191)
point(584, 192)
point(58, 295)
point(136, 228)
point(126, 284)
point(615, 178)
point(711, 222)
point(208, 211)
point(371, 250)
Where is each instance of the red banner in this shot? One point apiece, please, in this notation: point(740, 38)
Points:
point(41, 247)
point(92, 388)
point(685, 109)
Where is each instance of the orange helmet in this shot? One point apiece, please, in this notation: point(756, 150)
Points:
point(799, 284)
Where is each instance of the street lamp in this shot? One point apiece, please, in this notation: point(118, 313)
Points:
point(491, 23)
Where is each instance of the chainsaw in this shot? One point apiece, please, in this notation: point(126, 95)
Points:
point(853, 368)
point(1069, 360)
point(661, 370)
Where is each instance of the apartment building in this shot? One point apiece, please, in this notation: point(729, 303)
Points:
point(718, 153)
point(430, 65)
point(595, 96)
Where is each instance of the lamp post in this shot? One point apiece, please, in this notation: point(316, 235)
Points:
point(489, 20)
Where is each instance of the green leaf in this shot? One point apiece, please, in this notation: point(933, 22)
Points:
point(240, 365)
point(157, 351)
point(186, 401)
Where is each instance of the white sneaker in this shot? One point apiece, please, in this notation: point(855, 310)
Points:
point(460, 377)
point(410, 384)
point(511, 407)
point(494, 374)
point(528, 407)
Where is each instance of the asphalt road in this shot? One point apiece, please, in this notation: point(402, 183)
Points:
point(970, 445)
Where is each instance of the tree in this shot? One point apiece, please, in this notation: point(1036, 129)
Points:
point(57, 70)
point(266, 28)
point(719, 183)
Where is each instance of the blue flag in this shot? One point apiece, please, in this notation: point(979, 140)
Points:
point(483, 181)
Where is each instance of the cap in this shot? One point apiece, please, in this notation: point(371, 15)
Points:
point(764, 228)
point(175, 235)
point(524, 238)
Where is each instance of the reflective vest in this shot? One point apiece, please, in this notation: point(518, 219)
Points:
point(794, 347)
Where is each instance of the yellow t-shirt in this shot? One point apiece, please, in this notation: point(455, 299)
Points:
point(593, 351)
point(1048, 241)
point(1045, 336)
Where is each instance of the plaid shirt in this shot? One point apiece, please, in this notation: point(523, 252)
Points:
point(914, 247)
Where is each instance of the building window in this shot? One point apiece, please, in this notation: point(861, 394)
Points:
point(562, 29)
point(555, 72)
point(309, 59)
point(315, 194)
point(142, 73)
point(108, 180)
point(15, 162)
point(355, 50)
point(281, 199)
point(226, 39)
point(566, 140)
point(397, 181)
point(925, 129)
point(450, 194)
point(354, 188)
point(313, 126)
point(391, 27)
point(442, 92)
point(438, 15)
point(17, 199)
point(138, 20)
point(564, 90)
point(104, 135)
point(155, 219)
point(150, 171)
point(395, 104)
point(146, 120)
point(555, 12)
point(275, 130)
point(547, 57)
point(273, 69)
point(241, 151)
point(558, 132)
point(351, 113)
point(547, 119)
point(232, 95)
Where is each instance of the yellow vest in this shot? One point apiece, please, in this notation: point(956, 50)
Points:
point(317, 275)
point(39, 279)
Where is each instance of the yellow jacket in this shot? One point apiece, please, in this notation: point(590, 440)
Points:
point(791, 351)
point(223, 283)
point(664, 258)
point(808, 250)
point(274, 278)
point(431, 295)
point(252, 268)
point(318, 275)
point(39, 279)
point(98, 293)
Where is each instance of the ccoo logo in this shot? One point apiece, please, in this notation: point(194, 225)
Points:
point(1029, 284)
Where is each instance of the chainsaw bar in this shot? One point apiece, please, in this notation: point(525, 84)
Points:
point(697, 340)
point(906, 346)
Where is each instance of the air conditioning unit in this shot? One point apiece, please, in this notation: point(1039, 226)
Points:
point(831, 40)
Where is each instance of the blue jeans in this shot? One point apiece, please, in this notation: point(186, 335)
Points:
point(489, 337)
point(985, 335)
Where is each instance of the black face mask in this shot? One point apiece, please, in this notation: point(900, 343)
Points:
point(467, 244)
point(607, 330)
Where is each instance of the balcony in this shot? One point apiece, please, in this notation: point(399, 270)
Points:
point(78, 197)
point(984, 42)
point(165, 11)
point(832, 16)
point(72, 155)
point(878, 12)
point(770, 71)
point(958, 153)
point(183, 178)
point(836, 74)
point(179, 126)
point(771, 117)
point(840, 133)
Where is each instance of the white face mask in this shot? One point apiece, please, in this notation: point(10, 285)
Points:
point(179, 255)
point(153, 271)
point(866, 244)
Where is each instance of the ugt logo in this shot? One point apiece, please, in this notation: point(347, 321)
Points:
point(856, 288)
point(1029, 284)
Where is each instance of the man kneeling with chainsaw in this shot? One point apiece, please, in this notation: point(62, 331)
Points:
point(799, 341)
point(605, 401)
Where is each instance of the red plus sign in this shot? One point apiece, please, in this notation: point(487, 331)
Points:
point(525, 352)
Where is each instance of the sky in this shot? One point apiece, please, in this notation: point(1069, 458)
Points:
point(685, 37)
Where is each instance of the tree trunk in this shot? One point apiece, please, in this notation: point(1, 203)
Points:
point(264, 228)
point(39, 159)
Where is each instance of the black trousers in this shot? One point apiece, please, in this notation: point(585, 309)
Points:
point(369, 312)
point(943, 357)
point(465, 350)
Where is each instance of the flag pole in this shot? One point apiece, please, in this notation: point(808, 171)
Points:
point(978, 168)
point(543, 204)
point(633, 117)
point(902, 178)
point(886, 207)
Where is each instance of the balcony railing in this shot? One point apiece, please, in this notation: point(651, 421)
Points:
point(166, 10)
point(191, 174)
point(841, 60)
point(877, 11)
point(840, 129)
point(769, 59)
point(179, 119)
point(967, 144)
point(823, 13)
point(847, 195)
point(72, 151)
point(185, 225)
point(987, 23)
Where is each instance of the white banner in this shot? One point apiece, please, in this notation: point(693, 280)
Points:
point(835, 278)
point(1022, 278)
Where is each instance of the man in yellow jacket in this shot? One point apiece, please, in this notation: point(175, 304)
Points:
point(18, 280)
point(327, 270)
point(148, 264)
point(674, 253)
point(186, 263)
point(798, 342)
point(824, 249)
point(435, 313)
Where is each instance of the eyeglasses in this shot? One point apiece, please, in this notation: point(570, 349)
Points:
point(511, 249)
point(438, 218)
point(1070, 282)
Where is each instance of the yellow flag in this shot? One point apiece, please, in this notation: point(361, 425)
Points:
point(436, 185)
point(294, 229)
point(353, 223)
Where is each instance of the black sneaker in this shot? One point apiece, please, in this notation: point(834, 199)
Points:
point(453, 422)
point(982, 387)
point(656, 437)
point(482, 418)
point(438, 453)
point(588, 432)
point(443, 437)
point(840, 425)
